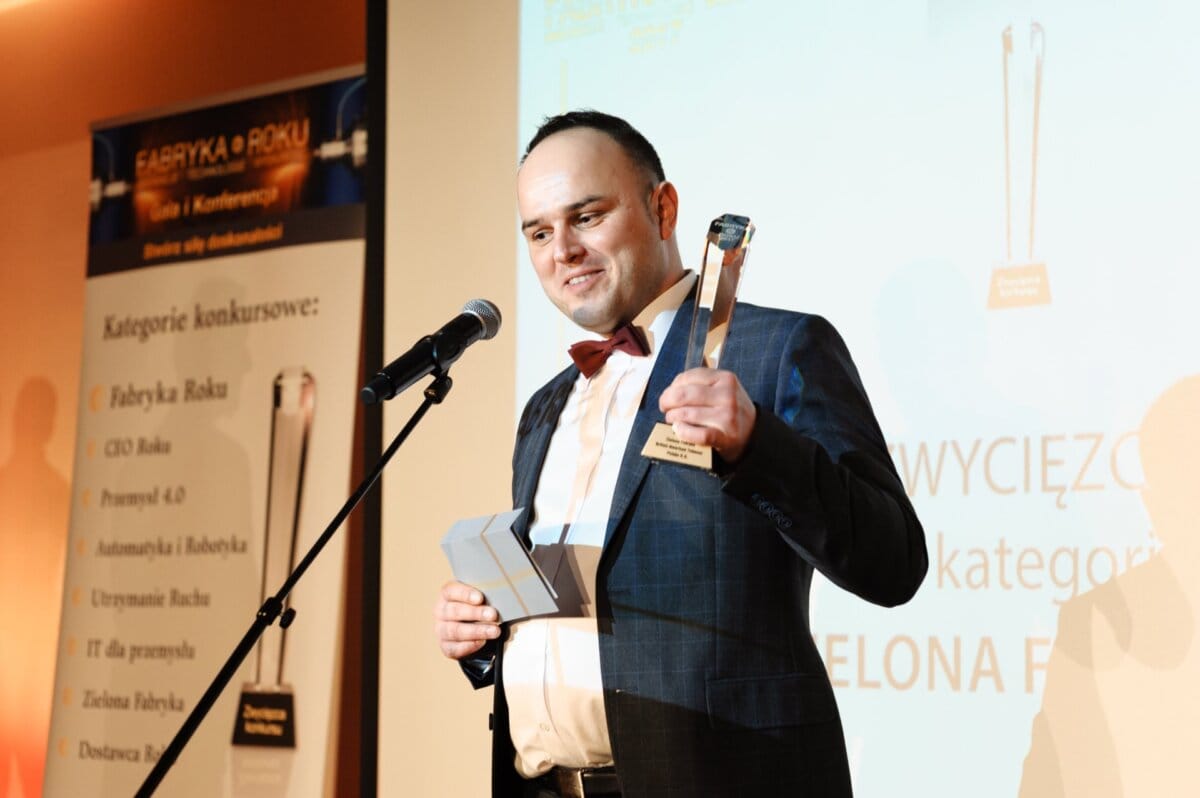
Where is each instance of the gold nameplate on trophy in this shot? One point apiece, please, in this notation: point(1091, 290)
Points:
point(664, 444)
point(725, 249)
point(1021, 280)
point(266, 713)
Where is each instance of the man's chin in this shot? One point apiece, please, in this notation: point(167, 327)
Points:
point(594, 319)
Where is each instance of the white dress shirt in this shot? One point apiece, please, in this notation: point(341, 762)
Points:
point(551, 674)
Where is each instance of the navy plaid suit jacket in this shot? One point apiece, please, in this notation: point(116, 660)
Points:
point(712, 683)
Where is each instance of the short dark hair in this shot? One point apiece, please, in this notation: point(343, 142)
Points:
point(636, 146)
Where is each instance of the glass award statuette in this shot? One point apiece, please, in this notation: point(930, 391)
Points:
point(1021, 280)
point(725, 249)
point(266, 711)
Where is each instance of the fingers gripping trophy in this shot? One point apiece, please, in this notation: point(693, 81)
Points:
point(724, 261)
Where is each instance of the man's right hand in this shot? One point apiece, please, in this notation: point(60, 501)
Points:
point(462, 621)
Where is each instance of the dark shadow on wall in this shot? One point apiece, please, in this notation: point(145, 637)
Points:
point(34, 510)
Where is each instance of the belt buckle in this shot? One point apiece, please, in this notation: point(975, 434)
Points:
point(569, 782)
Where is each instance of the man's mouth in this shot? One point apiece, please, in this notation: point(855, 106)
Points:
point(581, 279)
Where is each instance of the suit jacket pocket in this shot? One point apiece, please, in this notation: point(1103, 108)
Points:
point(769, 702)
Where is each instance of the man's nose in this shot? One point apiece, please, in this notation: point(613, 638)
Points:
point(567, 247)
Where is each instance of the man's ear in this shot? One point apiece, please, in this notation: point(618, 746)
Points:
point(665, 204)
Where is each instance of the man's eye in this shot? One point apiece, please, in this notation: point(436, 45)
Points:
point(539, 236)
point(588, 218)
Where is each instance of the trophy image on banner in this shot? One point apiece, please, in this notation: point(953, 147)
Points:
point(1021, 280)
point(266, 711)
point(725, 249)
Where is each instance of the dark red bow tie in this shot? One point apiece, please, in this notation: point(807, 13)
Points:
point(589, 356)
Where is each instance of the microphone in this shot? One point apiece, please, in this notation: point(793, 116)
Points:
point(480, 319)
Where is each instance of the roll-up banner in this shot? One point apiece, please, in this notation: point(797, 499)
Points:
point(220, 358)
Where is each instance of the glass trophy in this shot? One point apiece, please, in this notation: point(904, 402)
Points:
point(725, 250)
point(1021, 280)
point(266, 711)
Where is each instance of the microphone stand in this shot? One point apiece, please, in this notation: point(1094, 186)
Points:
point(272, 608)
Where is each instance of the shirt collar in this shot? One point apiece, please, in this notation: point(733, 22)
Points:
point(655, 319)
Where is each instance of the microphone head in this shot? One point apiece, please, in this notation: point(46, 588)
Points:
point(487, 313)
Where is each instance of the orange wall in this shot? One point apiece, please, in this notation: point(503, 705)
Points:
point(452, 147)
point(68, 63)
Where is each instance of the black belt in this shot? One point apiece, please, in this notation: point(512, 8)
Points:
point(581, 782)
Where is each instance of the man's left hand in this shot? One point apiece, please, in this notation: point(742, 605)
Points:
point(710, 407)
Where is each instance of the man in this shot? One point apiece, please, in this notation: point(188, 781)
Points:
point(681, 662)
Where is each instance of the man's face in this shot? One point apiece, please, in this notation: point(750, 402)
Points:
point(599, 233)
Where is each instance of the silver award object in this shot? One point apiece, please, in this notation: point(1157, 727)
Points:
point(266, 711)
point(725, 250)
point(1021, 280)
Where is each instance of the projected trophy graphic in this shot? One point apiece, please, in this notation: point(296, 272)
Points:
point(1022, 279)
point(266, 711)
point(725, 250)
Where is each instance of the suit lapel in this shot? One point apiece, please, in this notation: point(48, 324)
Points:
point(533, 441)
point(633, 465)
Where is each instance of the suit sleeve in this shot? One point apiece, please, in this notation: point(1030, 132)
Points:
point(818, 469)
point(480, 667)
